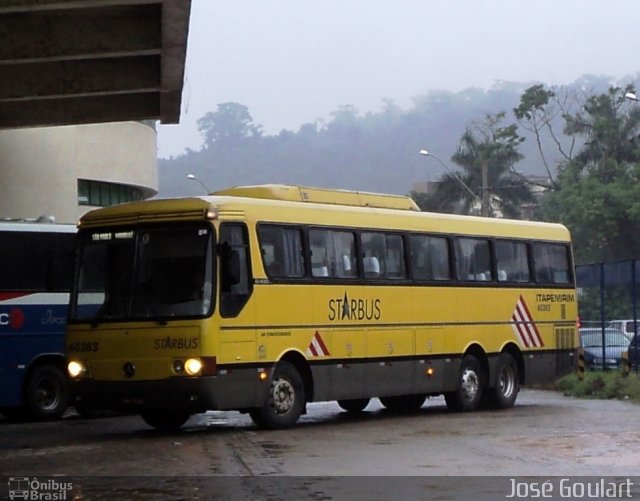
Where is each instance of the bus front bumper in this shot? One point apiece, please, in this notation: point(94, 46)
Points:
point(193, 394)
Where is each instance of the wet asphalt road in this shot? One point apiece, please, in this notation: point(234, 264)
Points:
point(545, 434)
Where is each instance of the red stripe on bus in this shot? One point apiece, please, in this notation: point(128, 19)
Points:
point(523, 336)
point(5, 296)
point(533, 324)
point(323, 347)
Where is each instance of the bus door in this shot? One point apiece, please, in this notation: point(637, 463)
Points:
point(236, 354)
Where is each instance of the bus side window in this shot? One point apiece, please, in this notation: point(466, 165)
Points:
point(235, 270)
point(62, 263)
point(333, 253)
point(551, 263)
point(473, 259)
point(512, 261)
point(281, 250)
point(383, 256)
point(373, 255)
point(429, 257)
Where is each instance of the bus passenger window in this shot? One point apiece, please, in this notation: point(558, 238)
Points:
point(551, 263)
point(512, 261)
point(387, 251)
point(429, 257)
point(473, 259)
point(281, 248)
point(332, 253)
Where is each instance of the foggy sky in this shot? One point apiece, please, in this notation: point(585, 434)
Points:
point(295, 61)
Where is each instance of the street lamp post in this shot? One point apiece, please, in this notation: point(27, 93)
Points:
point(482, 201)
point(194, 178)
point(631, 96)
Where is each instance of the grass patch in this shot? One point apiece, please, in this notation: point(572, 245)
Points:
point(601, 385)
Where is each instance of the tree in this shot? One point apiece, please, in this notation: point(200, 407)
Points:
point(541, 112)
point(487, 154)
point(231, 122)
point(610, 130)
point(598, 195)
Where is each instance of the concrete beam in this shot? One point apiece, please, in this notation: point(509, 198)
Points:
point(85, 33)
point(56, 55)
point(79, 110)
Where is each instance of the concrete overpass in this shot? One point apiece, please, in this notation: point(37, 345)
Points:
point(68, 62)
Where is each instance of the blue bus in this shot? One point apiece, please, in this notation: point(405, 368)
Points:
point(36, 271)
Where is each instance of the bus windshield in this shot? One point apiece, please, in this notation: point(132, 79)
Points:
point(155, 273)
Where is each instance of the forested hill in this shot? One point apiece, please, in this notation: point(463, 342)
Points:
point(370, 151)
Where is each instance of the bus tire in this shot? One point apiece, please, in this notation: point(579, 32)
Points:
point(403, 403)
point(166, 420)
point(286, 399)
point(468, 395)
point(354, 405)
point(505, 393)
point(46, 395)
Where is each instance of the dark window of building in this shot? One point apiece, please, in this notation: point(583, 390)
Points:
point(103, 194)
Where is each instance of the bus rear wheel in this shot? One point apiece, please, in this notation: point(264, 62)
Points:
point(46, 396)
point(354, 405)
point(285, 402)
point(166, 420)
point(468, 395)
point(505, 393)
point(403, 403)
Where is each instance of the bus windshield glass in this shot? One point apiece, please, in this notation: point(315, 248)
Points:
point(155, 273)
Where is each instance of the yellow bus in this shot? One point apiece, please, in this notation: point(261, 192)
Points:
point(265, 298)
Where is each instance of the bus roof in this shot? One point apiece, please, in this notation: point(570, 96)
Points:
point(36, 227)
point(281, 205)
point(321, 195)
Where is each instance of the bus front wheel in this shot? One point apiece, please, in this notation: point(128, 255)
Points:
point(286, 399)
point(469, 393)
point(46, 395)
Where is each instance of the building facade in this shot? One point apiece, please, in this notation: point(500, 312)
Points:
point(65, 171)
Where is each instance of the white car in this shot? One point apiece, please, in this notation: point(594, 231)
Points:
point(626, 326)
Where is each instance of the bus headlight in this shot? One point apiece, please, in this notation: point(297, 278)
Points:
point(76, 369)
point(193, 366)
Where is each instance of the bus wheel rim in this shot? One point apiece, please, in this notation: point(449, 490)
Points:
point(46, 394)
point(507, 381)
point(283, 395)
point(470, 384)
